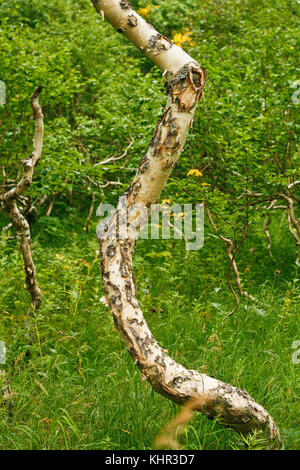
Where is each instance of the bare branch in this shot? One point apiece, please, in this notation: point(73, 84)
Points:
point(291, 185)
point(114, 159)
point(267, 222)
point(90, 213)
point(231, 253)
point(16, 218)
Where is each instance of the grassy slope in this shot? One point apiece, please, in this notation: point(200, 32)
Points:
point(75, 386)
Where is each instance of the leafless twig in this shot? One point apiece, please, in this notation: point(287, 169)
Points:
point(114, 159)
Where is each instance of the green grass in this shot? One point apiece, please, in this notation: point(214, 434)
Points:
point(74, 385)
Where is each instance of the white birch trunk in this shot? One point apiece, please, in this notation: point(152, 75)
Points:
point(185, 80)
point(16, 218)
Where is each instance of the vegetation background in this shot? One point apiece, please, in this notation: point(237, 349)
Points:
point(74, 386)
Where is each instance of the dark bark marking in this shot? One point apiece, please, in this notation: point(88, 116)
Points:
point(132, 20)
point(144, 165)
point(111, 251)
point(158, 43)
point(186, 88)
point(125, 5)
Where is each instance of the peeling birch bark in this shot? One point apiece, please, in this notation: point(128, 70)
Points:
point(185, 81)
point(16, 218)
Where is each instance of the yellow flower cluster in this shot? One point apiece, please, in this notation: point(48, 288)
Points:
point(287, 300)
point(194, 172)
point(144, 11)
point(182, 38)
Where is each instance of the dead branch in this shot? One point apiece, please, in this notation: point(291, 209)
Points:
point(90, 213)
point(267, 222)
point(17, 219)
point(51, 204)
point(168, 436)
point(114, 159)
point(231, 253)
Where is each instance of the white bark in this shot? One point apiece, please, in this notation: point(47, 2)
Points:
point(185, 81)
point(16, 218)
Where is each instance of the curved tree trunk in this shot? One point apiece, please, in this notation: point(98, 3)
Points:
point(185, 81)
point(16, 218)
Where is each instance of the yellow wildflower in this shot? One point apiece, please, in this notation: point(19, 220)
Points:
point(144, 11)
point(194, 172)
point(247, 269)
point(287, 300)
point(205, 184)
point(166, 201)
point(180, 38)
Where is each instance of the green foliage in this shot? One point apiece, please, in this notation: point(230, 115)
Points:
point(74, 384)
point(100, 92)
point(94, 98)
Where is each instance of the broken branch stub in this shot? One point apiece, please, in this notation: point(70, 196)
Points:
point(185, 80)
